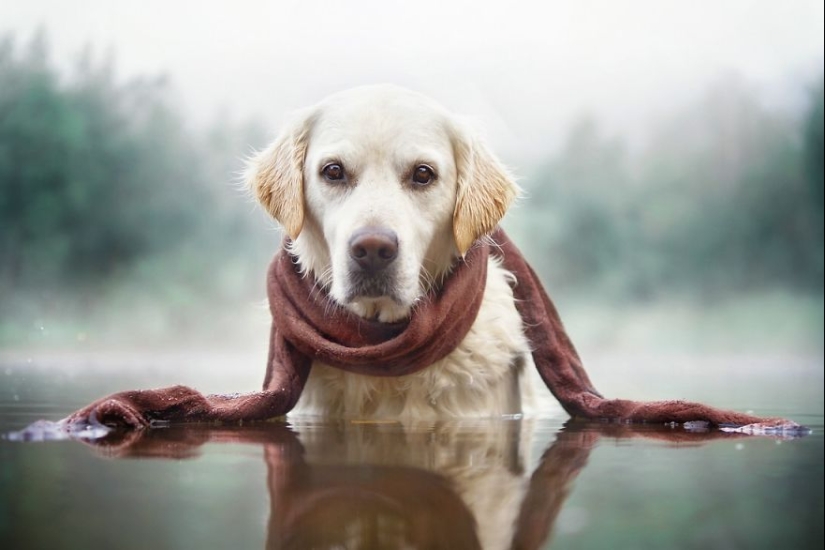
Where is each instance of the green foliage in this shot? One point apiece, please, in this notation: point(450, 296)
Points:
point(93, 175)
point(727, 196)
point(587, 182)
point(814, 152)
point(110, 202)
point(104, 188)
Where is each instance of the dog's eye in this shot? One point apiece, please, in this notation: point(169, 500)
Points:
point(423, 175)
point(333, 172)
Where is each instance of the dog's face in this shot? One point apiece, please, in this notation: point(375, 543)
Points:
point(380, 190)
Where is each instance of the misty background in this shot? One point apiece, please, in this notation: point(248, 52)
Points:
point(671, 155)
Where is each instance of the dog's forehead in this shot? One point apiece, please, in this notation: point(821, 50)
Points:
point(382, 116)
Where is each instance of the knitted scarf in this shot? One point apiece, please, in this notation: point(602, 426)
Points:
point(308, 326)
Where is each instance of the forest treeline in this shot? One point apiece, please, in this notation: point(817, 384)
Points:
point(98, 175)
point(104, 187)
point(726, 196)
point(108, 195)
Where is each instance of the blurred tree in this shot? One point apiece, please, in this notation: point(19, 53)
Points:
point(728, 195)
point(722, 176)
point(814, 152)
point(95, 175)
point(108, 201)
point(579, 207)
point(101, 182)
point(37, 128)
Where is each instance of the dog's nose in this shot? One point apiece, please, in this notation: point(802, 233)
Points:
point(373, 248)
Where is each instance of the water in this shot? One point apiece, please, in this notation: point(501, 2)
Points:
point(540, 483)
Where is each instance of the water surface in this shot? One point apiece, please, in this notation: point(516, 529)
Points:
point(303, 483)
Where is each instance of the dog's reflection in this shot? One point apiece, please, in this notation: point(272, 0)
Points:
point(372, 485)
point(444, 485)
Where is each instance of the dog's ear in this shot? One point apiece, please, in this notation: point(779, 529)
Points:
point(485, 190)
point(276, 174)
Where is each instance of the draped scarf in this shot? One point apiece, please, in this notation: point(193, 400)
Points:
point(308, 326)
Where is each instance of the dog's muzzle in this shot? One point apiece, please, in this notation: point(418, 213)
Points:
point(372, 254)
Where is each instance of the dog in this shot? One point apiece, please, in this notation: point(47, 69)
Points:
point(395, 293)
point(382, 191)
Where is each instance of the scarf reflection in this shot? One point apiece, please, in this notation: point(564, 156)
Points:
point(368, 485)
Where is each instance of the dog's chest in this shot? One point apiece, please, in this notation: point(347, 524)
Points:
point(483, 376)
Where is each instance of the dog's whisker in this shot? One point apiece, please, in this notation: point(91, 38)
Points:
point(427, 281)
point(318, 290)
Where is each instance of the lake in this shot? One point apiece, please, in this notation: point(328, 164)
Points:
point(498, 483)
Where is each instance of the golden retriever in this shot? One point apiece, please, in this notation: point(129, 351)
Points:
point(397, 295)
point(373, 185)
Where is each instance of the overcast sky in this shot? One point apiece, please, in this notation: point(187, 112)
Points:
point(524, 69)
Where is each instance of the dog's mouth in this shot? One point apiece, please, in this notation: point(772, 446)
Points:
point(372, 288)
point(376, 298)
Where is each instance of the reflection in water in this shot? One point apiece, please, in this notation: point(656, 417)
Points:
point(376, 485)
point(363, 507)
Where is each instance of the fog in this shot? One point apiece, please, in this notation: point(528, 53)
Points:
point(525, 69)
point(671, 154)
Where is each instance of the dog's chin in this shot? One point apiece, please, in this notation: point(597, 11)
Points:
point(377, 297)
point(384, 309)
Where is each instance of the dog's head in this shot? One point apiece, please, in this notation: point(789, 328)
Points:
point(380, 190)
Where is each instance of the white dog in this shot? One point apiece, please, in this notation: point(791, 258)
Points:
point(382, 191)
point(390, 302)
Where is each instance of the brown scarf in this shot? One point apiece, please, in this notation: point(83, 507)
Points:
point(308, 326)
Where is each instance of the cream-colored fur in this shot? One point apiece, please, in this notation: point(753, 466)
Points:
point(484, 376)
point(379, 135)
